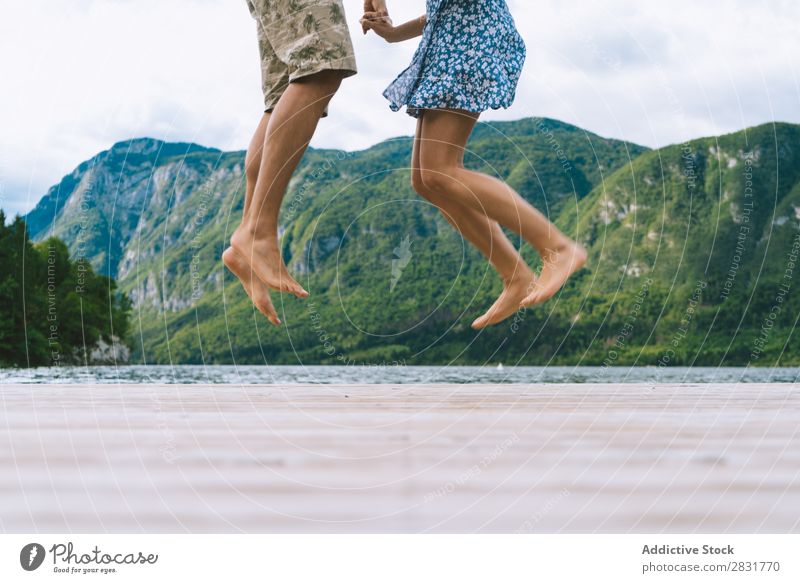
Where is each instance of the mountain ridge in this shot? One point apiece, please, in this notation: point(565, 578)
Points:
point(346, 212)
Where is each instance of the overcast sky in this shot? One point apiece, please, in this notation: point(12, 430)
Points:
point(79, 75)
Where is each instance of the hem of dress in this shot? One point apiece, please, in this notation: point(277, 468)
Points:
point(414, 110)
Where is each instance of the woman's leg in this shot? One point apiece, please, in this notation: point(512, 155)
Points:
point(445, 133)
point(487, 236)
point(255, 288)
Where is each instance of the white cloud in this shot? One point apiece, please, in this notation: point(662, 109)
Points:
point(79, 75)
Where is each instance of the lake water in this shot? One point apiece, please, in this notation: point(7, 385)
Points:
point(192, 374)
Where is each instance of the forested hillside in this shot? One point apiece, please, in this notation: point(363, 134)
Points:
point(691, 248)
point(55, 311)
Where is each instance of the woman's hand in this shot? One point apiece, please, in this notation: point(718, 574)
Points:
point(380, 24)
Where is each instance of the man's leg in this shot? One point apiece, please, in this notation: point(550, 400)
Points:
point(256, 290)
point(252, 160)
point(288, 133)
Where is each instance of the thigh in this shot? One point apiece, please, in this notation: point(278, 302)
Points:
point(415, 174)
point(444, 135)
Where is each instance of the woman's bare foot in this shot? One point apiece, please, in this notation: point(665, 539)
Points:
point(514, 291)
point(558, 266)
point(258, 291)
point(264, 258)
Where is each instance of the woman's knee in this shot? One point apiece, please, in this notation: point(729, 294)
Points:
point(438, 179)
point(417, 184)
point(421, 189)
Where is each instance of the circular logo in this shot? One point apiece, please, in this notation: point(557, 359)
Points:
point(31, 556)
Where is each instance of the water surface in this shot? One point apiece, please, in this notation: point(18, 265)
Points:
point(257, 374)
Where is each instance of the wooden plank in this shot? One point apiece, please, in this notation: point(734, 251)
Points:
point(400, 458)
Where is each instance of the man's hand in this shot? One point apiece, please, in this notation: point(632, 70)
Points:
point(375, 6)
point(374, 10)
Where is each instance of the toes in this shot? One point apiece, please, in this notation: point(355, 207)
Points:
point(487, 319)
point(289, 286)
point(269, 312)
point(263, 303)
point(479, 323)
point(296, 290)
point(272, 317)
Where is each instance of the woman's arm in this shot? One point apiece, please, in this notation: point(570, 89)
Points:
point(395, 34)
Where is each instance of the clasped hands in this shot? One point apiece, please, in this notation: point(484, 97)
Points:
point(375, 15)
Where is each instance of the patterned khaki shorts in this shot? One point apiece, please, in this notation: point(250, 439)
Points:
point(297, 38)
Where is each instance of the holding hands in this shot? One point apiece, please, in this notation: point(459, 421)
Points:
point(376, 18)
point(374, 11)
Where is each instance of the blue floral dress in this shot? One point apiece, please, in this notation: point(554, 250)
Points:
point(470, 58)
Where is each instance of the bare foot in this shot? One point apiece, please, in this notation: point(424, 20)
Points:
point(258, 291)
point(559, 265)
point(266, 262)
point(514, 291)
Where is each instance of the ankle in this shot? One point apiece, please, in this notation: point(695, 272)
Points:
point(555, 244)
point(521, 272)
point(256, 231)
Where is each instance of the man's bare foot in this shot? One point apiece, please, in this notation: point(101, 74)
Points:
point(559, 265)
point(258, 291)
point(514, 291)
point(266, 262)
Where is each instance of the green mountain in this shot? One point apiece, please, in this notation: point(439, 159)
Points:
point(391, 281)
point(98, 208)
point(715, 224)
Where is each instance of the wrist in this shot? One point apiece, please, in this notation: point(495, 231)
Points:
point(392, 35)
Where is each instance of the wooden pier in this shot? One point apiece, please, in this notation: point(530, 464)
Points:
point(581, 458)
